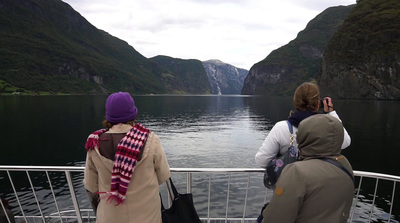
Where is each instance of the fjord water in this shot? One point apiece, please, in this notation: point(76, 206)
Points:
point(195, 131)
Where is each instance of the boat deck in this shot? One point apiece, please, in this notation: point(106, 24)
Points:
point(230, 195)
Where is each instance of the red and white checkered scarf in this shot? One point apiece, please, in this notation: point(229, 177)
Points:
point(126, 157)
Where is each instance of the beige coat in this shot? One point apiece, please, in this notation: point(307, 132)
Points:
point(142, 204)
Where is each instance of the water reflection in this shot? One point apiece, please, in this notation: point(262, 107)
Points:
point(196, 131)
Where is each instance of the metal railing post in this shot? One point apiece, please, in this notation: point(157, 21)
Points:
point(189, 182)
point(73, 197)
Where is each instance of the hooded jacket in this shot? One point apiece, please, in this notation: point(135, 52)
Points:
point(312, 190)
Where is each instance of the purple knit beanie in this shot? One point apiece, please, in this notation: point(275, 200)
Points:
point(120, 108)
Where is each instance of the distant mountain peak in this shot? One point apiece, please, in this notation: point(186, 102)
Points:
point(214, 61)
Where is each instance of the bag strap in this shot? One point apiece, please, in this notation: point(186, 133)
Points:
point(173, 188)
point(172, 195)
point(338, 165)
point(162, 205)
point(290, 126)
point(291, 132)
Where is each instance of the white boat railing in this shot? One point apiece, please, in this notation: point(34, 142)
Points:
point(56, 194)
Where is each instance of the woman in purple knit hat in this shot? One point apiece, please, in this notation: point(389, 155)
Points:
point(125, 165)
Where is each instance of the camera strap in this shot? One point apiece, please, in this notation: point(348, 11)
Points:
point(331, 161)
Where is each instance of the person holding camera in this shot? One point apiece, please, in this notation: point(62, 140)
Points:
point(307, 102)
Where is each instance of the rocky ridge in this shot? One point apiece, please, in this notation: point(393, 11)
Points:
point(288, 66)
point(224, 78)
point(362, 60)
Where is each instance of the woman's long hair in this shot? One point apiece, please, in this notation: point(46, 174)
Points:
point(306, 97)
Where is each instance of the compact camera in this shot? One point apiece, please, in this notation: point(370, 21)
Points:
point(321, 103)
point(321, 106)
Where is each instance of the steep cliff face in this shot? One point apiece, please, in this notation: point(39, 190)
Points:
point(298, 61)
point(183, 76)
point(224, 78)
point(362, 60)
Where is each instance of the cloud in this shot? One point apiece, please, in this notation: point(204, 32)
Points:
point(238, 32)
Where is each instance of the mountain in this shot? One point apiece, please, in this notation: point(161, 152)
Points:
point(183, 76)
point(224, 78)
point(47, 46)
point(298, 61)
point(362, 60)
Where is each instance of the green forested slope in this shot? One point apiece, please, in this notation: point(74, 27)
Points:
point(47, 46)
point(362, 60)
point(183, 76)
point(288, 66)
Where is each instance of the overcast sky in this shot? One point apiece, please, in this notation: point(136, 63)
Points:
point(237, 32)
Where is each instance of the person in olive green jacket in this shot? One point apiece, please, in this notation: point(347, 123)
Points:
point(313, 190)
